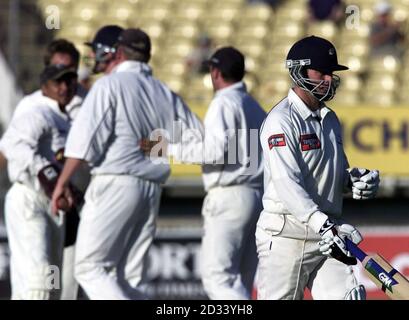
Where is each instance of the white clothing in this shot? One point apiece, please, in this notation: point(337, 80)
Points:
point(301, 182)
point(290, 261)
point(230, 151)
point(38, 130)
point(118, 219)
point(229, 257)
point(230, 155)
point(304, 179)
point(69, 284)
point(120, 110)
point(71, 108)
point(36, 239)
point(33, 138)
point(111, 248)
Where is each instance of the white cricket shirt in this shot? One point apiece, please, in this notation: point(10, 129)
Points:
point(120, 109)
point(71, 108)
point(33, 137)
point(230, 152)
point(305, 164)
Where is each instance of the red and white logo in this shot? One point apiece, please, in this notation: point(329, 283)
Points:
point(310, 142)
point(276, 140)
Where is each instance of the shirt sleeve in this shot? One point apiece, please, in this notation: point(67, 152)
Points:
point(93, 126)
point(338, 129)
point(281, 148)
point(212, 146)
point(20, 144)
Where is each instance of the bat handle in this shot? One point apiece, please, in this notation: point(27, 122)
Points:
point(355, 250)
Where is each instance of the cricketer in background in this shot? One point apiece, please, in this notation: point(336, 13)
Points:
point(31, 145)
point(63, 52)
point(118, 219)
point(231, 159)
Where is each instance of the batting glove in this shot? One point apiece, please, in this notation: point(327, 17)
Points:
point(333, 244)
point(364, 183)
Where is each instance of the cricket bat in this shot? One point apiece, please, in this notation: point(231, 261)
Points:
point(388, 279)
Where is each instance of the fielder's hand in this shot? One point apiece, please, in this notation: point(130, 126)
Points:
point(48, 177)
point(333, 244)
point(364, 183)
point(62, 199)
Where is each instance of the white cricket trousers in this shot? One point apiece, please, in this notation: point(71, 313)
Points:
point(290, 261)
point(228, 255)
point(116, 230)
point(69, 284)
point(35, 238)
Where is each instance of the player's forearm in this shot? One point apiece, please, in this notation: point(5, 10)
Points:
point(70, 167)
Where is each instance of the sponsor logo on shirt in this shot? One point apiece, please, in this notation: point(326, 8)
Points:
point(310, 142)
point(276, 140)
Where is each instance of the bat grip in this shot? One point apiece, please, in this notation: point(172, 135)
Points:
point(355, 250)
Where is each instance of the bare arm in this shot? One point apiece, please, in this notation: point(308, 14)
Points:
point(62, 188)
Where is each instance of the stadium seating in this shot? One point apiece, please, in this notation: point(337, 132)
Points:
point(263, 34)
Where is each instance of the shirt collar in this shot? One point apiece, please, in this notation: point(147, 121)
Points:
point(51, 103)
point(239, 86)
point(135, 66)
point(302, 108)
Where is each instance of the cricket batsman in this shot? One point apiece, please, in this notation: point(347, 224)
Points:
point(300, 234)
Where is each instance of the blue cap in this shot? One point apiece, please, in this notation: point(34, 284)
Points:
point(228, 60)
point(107, 36)
point(136, 39)
point(314, 53)
point(55, 72)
